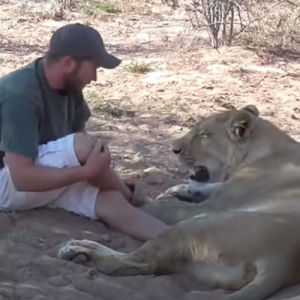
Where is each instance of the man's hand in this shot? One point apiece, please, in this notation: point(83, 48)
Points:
point(98, 160)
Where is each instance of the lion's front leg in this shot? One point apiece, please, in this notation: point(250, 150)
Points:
point(194, 192)
point(106, 260)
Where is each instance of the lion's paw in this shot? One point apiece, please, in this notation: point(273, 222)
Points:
point(67, 252)
point(184, 192)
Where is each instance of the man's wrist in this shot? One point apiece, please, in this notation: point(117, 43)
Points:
point(83, 174)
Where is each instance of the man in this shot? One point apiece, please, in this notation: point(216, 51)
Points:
point(48, 159)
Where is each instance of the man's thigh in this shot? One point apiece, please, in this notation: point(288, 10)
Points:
point(59, 154)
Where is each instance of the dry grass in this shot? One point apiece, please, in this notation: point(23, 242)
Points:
point(95, 8)
point(138, 67)
point(66, 9)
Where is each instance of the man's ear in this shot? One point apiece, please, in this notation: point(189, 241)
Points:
point(242, 123)
point(69, 64)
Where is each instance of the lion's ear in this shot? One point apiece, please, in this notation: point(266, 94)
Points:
point(251, 109)
point(241, 125)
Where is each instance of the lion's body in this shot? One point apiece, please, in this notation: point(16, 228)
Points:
point(244, 238)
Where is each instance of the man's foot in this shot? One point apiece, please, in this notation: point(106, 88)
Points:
point(138, 198)
point(131, 186)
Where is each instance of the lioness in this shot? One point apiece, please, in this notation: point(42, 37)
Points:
point(245, 238)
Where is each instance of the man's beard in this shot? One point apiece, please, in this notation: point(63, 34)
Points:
point(72, 85)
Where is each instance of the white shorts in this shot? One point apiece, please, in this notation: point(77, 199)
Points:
point(78, 198)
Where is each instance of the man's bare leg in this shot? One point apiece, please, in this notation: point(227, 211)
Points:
point(112, 204)
point(111, 181)
point(118, 213)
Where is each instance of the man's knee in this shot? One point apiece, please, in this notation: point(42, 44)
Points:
point(83, 145)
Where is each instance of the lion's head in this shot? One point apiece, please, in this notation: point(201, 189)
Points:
point(216, 146)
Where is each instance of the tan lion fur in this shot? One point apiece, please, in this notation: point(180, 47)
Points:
point(245, 238)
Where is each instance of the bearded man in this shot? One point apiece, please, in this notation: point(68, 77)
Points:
point(48, 160)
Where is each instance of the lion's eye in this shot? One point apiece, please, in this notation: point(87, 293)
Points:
point(203, 134)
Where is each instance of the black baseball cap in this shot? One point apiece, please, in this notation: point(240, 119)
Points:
point(82, 41)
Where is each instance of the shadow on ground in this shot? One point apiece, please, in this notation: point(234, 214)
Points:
point(278, 55)
point(142, 149)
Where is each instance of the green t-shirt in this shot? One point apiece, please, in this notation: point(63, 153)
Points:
point(31, 113)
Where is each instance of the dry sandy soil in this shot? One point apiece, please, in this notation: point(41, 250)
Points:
point(139, 114)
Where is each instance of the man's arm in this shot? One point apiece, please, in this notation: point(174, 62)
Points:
point(27, 176)
point(19, 140)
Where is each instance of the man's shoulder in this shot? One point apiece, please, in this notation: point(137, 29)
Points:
point(23, 81)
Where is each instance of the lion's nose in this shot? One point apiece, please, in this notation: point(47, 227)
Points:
point(176, 151)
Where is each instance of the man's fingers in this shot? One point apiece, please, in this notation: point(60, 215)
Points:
point(98, 146)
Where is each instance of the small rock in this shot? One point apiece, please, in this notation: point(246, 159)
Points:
point(155, 179)
point(208, 87)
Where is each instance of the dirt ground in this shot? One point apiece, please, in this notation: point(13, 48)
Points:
point(139, 113)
